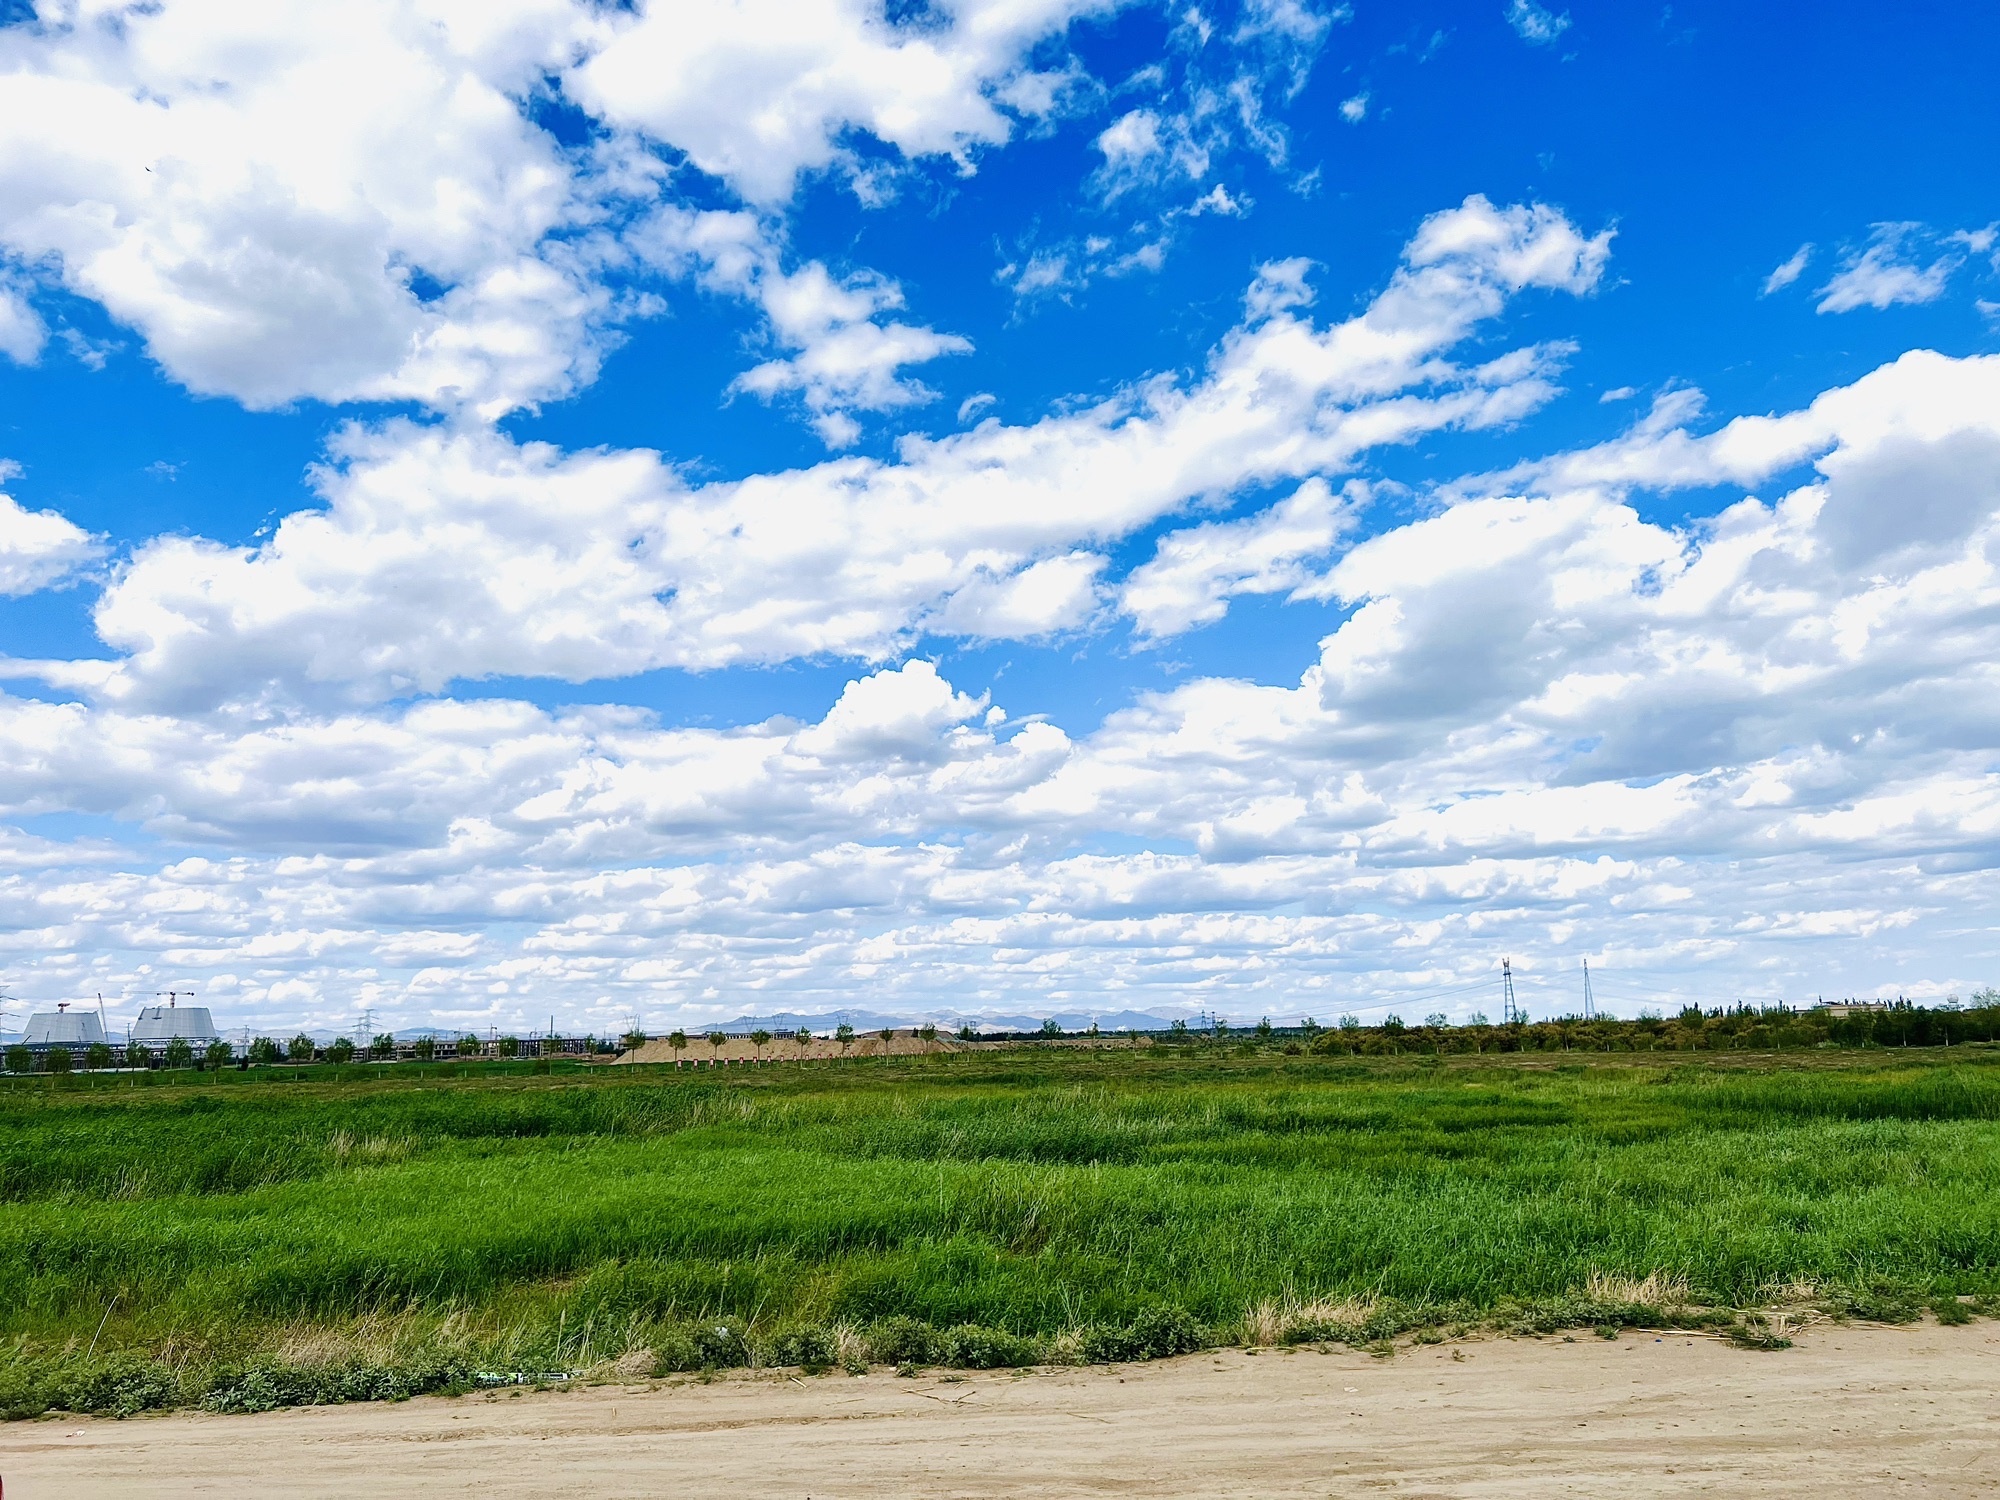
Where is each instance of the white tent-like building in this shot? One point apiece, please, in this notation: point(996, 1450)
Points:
point(160, 1024)
point(62, 1027)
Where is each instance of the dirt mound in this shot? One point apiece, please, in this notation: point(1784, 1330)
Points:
point(740, 1049)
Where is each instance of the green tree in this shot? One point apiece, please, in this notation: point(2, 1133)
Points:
point(20, 1060)
point(58, 1060)
point(425, 1049)
point(678, 1040)
point(264, 1051)
point(760, 1039)
point(136, 1056)
point(300, 1049)
point(1350, 1023)
point(97, 1055)
point(927, 1033)
point(805, 1039)
point(340, 1050)
point(1050, 1028)
point(844, 1034)
point(384, 1045)
point(1264, 1029)
point(218, 1054)
point(716, 1040)
point(179, 1053)
point(633, 1040)
point(967, 1032)
point(470, 1046)
point(510, 1046)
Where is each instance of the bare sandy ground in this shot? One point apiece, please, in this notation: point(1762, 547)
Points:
point(1851, 1411)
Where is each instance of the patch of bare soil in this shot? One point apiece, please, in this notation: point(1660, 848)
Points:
point(782, 1049)
point(1851, 1411)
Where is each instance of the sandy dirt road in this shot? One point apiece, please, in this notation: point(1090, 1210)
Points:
point(1851, 1411)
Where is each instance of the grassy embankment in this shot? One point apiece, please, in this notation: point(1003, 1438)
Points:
point(248, 1242)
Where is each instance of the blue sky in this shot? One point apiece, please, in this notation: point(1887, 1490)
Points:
point(1015, 506)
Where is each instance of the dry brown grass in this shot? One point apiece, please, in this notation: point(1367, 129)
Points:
point(1658, 1289)
point(1282, 1319)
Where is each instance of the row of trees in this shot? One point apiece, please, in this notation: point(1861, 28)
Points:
point(264, 1051)
point(844, 1035)
point(178, 1053)
point(1693, 1029)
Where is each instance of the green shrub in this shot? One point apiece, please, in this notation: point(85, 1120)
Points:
point(812, 1349)
point(971, 1347)
point(1156, 1333)
point(122, 1388)
point(907, 1341)
point(1880, 1305)
point(674, 1350)
point(268, 1387)
point(721, 1344)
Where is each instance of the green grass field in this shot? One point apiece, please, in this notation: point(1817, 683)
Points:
point(246, 1240)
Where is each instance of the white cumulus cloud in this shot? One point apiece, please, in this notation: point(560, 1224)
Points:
point(447, 554)
point(1885, 273)
point(39, 547)
point(757, 92)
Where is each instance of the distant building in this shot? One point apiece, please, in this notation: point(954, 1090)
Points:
point(62, 1027)
point(160, 1024)
point(1841, 1009)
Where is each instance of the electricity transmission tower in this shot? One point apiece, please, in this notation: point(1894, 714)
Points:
point(1510, 1011)
point(1589, 1000)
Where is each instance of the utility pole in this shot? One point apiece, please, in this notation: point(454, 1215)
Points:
point(1589, 1000)
point(1510, 1012)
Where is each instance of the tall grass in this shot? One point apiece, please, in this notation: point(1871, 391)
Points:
point(542, 1224)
